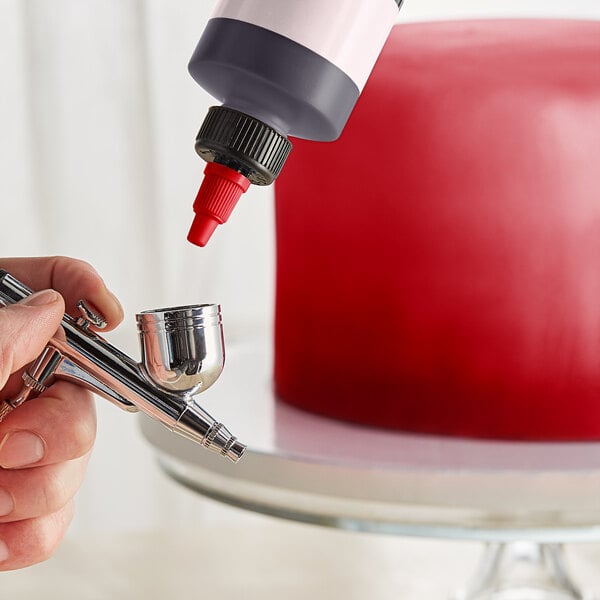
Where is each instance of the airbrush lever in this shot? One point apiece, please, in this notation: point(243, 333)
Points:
point(182, 354)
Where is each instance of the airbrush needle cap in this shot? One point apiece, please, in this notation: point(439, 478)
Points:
point(216, 199)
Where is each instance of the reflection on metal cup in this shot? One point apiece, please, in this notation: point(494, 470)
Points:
point(182, 348)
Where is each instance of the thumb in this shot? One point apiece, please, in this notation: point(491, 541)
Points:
point(25, 328)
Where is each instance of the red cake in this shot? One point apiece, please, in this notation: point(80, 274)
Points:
point(438, 266)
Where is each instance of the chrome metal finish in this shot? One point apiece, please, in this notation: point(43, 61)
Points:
point(182, 354)
point(89, 316)
point(21, 397)
point(182, 348)
point(30, 382)
point(41, 372)
point(5, 409)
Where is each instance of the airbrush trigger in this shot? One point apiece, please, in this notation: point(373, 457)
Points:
point(89, 317)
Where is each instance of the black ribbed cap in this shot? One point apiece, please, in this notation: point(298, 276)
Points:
point(242, 143)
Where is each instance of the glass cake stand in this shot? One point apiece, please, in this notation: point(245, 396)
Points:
point(522, 500)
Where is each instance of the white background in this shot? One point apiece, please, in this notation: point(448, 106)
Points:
point(97, 123)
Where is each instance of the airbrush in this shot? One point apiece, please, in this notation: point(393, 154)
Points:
point(182, 355)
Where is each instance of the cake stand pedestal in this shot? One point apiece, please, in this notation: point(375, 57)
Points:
point(522, 500)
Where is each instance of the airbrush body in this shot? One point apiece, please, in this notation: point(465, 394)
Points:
point(182, 355)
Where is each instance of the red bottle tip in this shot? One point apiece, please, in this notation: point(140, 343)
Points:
point(202, 228)
point(216, 199)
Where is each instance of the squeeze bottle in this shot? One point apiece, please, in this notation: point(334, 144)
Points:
point(279, 68)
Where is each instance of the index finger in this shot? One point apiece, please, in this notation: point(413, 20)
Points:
point(60, 425)
point(74, 279)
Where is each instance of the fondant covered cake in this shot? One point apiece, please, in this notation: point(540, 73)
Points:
point(438, 266)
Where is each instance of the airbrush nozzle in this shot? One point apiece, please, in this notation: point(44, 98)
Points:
point(212, 435)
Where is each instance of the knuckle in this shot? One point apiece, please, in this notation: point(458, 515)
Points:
point(6, 348)
point(71, 412)
point(70, 266)
point(4, 364)
point(46, 541)
point(56, 492)
point(35, 540)
point(50, 531)
point(84, 432)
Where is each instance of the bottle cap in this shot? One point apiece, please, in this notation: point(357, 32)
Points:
point(244, 143)
point(217, 197)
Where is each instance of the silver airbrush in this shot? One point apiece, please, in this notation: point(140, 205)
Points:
point(182, 354)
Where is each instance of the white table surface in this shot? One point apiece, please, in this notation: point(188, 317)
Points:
point(260, 558)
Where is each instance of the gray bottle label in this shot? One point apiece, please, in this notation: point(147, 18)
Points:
point(274, 79)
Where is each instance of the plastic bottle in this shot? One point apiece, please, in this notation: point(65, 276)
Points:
point(280, 68)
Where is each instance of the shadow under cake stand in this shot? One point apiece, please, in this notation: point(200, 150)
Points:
point(523, 500)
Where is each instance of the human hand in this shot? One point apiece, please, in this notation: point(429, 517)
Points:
point(45, 444)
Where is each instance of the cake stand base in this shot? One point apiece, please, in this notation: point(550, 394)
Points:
point(521, 571)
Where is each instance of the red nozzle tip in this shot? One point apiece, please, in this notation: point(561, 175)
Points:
point(202, 228)
point(216, 199)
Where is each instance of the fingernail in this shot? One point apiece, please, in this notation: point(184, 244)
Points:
point(40, 298)
point(20, 449)
point(115, 300)
point(3, 551)
point(7, 504)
